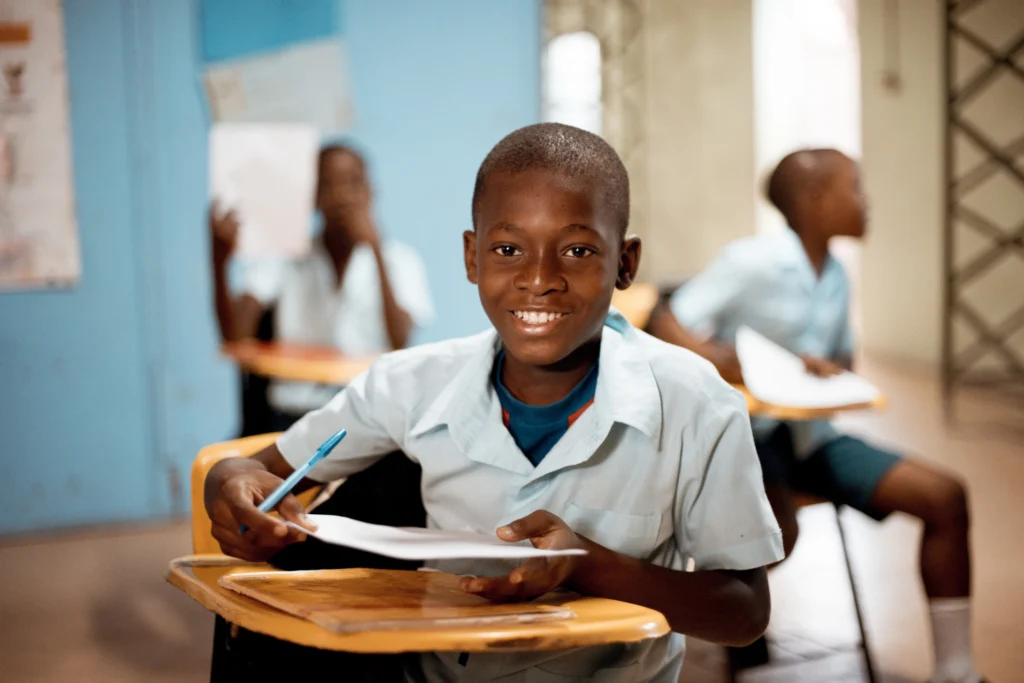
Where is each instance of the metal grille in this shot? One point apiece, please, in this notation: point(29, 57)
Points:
point(983, 317)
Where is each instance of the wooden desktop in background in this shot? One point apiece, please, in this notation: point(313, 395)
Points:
point(296, 362)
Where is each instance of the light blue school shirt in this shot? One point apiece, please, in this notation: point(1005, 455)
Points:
point(661, 467)
point(767, 283)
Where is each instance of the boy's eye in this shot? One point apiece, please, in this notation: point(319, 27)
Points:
point(506, 250)
point(579, 252)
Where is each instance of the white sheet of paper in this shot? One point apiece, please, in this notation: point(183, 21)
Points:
point(774, 375)
point(267, 174)
point(422, 544)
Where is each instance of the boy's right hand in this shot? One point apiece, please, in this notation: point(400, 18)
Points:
point(233, 503)
point(223, 231)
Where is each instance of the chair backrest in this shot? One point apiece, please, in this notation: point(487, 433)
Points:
point(203, 542)
point(639, 302)
point(636, 303)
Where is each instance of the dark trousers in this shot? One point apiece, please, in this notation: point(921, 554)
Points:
point(386, 493)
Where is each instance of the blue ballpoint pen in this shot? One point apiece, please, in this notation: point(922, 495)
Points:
point(288, 484)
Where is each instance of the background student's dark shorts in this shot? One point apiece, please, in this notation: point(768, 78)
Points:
point(845, 470)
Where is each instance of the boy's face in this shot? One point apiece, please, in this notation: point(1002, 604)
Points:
point(546, 256)
point(844, 207)
point(342, 187)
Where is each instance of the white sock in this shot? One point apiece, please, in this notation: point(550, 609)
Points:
point(951, 635)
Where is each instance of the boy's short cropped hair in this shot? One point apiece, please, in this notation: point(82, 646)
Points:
point(564, 149)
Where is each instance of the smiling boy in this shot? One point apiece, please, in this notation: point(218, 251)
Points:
point(563, 426)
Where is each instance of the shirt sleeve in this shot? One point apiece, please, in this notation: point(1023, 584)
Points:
point(723, 518)
point(410, 283)
point(365, 411)
point(704, 301)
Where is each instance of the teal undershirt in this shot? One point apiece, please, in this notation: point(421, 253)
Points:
point(536, 429)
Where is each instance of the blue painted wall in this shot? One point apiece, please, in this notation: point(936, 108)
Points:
point(456, 77)
point(108, 390)
point(234, 28)
point(73, 384)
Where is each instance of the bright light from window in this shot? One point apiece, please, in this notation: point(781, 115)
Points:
point(572, 81)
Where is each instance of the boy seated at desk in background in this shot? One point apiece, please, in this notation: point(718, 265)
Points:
point(354, 291)
point(787, 287)
point(563, 426)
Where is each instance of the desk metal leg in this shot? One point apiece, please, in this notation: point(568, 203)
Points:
point(757, 654)
point(868, 664)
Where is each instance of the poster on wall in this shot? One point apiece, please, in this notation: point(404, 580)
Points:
point(305, 83)
point(38, 231)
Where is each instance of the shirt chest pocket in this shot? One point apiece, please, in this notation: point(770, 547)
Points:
point(630, 533)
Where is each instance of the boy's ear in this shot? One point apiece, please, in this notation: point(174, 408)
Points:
point(629, 262)
point(469, 255)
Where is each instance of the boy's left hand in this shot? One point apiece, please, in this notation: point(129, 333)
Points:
point(538, 576)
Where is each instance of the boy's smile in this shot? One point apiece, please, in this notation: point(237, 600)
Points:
point(546, 256)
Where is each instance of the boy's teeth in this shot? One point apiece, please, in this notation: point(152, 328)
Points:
point(537, 318)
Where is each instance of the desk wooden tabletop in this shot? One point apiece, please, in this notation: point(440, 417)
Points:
point(758, 408)
point(596, 621)
point(296, 362)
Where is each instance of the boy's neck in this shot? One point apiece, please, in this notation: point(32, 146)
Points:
point(815, 246)
point(542, 385)
point(338, 246)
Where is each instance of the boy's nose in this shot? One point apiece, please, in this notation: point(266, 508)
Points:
point(542, 274)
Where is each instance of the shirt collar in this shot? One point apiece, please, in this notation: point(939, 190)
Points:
point(626, 393)
point(797, 259)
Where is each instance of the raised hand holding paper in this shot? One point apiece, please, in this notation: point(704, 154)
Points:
point(266, 173)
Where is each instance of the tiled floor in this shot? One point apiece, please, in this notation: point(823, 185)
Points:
point(93, 606)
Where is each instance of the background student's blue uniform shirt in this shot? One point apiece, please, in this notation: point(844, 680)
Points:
point(536, 429)
point(768, 283)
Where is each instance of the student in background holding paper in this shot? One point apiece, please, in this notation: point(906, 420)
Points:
point(563, 426)
point(354, 291)
point(788, 288)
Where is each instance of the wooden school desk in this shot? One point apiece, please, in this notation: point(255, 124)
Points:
point(597, 621)
point(759, 408)
point(296, 362)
